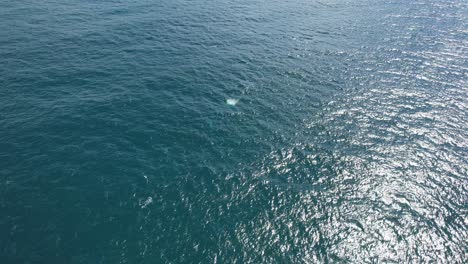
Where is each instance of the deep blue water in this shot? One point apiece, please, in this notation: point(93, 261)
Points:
point(233, 131)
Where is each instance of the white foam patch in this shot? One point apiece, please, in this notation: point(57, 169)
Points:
point(232, 101)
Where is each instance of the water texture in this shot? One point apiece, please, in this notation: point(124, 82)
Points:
point(233, 131)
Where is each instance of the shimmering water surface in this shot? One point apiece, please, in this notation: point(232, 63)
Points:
point(233, 131)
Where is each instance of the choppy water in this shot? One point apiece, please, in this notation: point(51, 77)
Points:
point(233, 131)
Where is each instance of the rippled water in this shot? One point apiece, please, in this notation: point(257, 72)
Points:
point(233, 131)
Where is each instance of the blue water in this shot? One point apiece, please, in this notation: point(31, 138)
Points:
point(233, 131)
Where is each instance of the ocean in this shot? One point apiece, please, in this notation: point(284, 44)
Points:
point(233, 131)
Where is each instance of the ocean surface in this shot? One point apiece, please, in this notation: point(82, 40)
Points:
point(233, 131)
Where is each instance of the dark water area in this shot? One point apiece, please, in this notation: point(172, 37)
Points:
point(233, 131)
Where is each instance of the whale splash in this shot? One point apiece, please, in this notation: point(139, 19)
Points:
point(232, 101)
